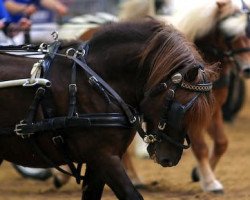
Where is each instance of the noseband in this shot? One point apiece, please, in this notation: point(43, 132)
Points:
point(173, 112)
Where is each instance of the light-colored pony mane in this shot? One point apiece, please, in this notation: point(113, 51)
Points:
point(194, 18)
point(197, 17)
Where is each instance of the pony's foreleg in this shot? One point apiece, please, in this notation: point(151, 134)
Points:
point(216, 131)
point(205, 173)
point(60, 179)
point(111, 171)
point(92, 185)
point(127, 162)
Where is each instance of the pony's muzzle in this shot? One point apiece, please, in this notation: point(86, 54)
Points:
point(166, 162)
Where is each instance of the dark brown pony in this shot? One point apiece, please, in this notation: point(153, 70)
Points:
point(153, 69)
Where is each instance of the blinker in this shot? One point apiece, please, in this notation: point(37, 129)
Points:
point(174, 117)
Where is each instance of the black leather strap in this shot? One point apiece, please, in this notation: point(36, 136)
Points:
point(98, 79)
point(82, 121)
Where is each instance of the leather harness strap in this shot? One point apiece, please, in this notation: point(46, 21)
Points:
point(57, 125)
point(96, 79)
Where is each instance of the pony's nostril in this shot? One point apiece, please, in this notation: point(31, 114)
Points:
point(166, 163)
point(246, 72)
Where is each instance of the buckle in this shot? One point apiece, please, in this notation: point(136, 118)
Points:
point(72, 87)
point(58, 139)
point(150, 139)
point(133, 120)
point(92, 80)
point(19, 128)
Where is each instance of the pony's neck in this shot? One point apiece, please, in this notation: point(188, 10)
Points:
point(118, 66)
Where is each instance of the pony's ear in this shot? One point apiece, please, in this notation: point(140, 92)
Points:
point(191, 74)
point(221, 3)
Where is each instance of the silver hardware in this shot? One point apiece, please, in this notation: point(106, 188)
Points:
point(161, 126)
point(92, 80)
point(19, 128)
point(55, 35)
point(57, 139)
point(165, 85)
point(149, 139)
point(73, 86)
point(171, 93)
point(176, 78)
point(71, 50)
point(74, 53)
point(43, 47)
point(133, 120)
point(80, 53)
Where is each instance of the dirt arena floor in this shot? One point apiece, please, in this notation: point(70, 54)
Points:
point(164, 183)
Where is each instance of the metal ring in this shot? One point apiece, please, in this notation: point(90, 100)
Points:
point(171, 92)
point(71, 50)
point(79, 53)
point(55, 35)
point(161, 126)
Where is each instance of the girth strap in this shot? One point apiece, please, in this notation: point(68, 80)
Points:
point(86, 121)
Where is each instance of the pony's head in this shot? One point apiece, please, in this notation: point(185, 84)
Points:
point(235, 27)
point(177, 100)
point(240, 55)
point(219, 28)
point(198, 18)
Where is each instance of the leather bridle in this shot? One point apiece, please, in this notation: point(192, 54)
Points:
point(173, 112)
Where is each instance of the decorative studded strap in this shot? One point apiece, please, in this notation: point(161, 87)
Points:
point(204, 87)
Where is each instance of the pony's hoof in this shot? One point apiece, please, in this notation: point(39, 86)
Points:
point(219, 192)
point(194, 175)
point(214, 187)
point(57, 183)
point(141, 186)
